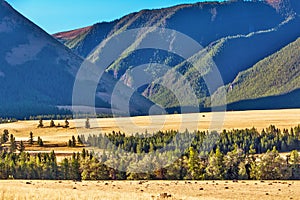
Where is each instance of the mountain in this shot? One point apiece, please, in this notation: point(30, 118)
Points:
point(238, 35)
point(275, 77)
point(37, 72)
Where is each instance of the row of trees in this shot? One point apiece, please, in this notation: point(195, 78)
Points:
point(86, 166)
point(66, 125)
point(67, 116)
point(7, 120)
point(52, 124)
point(73, 143)
point(249, 140)
point(234, 154)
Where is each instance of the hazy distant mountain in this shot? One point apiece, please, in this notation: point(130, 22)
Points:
point(37, 72)
point(237, 34)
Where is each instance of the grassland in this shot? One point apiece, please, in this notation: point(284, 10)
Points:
point(230, 120)
point(140, 190)
point(56, 138)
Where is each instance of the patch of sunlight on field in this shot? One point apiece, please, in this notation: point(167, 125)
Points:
point(259, 119)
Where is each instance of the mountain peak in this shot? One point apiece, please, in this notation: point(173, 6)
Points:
point(285, 7)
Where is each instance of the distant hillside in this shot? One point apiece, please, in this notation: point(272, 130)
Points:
point(37, 73)
point(275, 75)
point(237, 34)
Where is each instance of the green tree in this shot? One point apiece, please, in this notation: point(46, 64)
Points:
point(52, 124)
point(41, 125)
point(272, 166)
point(65, 169)
point(79, 140)
point(195, 167)
point(73, 141)
point(66, 123)
point(13, 144)
point(75, 172)
point(295, 163)
point(70, 143)
point(30, 138)
point(40, 141)
point(215, 168)
point(139, 147)
point(295, 158)
point(232, 161)
point(87, 123)
point(5, 136)
point(22, 146)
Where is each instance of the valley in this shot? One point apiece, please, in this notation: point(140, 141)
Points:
point(249, 54)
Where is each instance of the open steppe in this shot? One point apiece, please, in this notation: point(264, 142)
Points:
point(155, 190)
point(56, 138)
point(259, 119)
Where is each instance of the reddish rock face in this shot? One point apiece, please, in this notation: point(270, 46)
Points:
point(68, 35)
point(275, 3)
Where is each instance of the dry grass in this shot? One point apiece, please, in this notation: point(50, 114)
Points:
point(123, 190)
point(203, 121)
point(238, 120)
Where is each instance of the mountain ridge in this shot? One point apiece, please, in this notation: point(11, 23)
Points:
point(37, 72)
point(258, 29)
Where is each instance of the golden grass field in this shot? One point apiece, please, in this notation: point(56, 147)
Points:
point(147, 190)
point(203, 121)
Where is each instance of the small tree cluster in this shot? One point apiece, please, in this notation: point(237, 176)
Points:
point(41, 125)
point(5, 136)
point(40, 142)
point(72, 142)
point(66, 123)
point(52, 124)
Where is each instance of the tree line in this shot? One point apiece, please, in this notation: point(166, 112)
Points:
point(198, 155)
point(248, 140)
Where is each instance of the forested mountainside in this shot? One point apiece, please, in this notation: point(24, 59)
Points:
point(275, 78)
point(239, 35)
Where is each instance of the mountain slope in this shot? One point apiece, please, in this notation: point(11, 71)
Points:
point(204, 22)
point(275, 75)
point(236, 34)
point(37, 73)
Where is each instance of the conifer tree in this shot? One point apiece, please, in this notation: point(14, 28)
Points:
point(66, 123)
point(5, 136)
point(52, 124)
point(41, 125)
point(13, 145)
point(87, 123)
point(30, 138)
point(40, 142)
point(22, 146)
